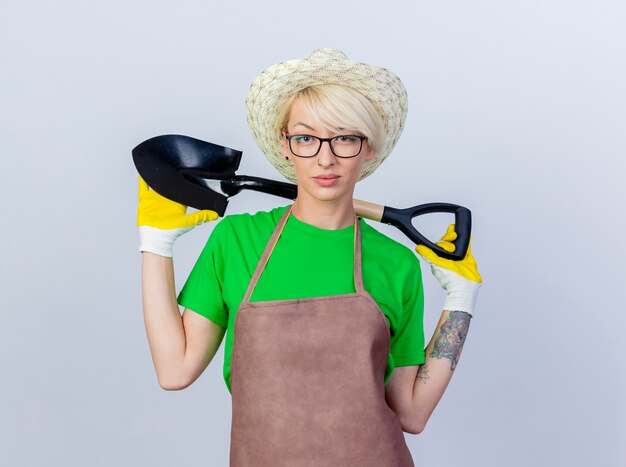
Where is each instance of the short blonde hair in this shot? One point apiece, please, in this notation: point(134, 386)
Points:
point(335, 106)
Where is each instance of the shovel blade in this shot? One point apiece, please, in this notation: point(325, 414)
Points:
point(162, 160)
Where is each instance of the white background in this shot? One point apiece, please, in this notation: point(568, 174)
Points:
point(516, 110)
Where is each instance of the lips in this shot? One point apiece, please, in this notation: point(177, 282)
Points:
point(326, 179)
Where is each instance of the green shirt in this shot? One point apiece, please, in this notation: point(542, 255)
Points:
point(307, 262)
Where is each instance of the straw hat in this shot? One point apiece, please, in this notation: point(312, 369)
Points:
point(324, 66)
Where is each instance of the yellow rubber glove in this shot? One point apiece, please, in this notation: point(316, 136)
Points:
point(460, 279)
point(162, 221)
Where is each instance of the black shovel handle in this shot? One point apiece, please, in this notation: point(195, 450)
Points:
point(264, 185)
point(402, 219)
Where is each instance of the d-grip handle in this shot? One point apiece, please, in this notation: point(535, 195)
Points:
point(402, 218)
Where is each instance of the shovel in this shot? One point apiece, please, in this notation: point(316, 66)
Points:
point(202, 175)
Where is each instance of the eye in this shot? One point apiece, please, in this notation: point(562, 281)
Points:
point(303, 139)
point(346, 139)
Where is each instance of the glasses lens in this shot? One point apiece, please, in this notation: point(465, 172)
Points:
point(304, 145)
point(346, 145)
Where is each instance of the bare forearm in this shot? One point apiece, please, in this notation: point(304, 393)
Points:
point(163, 321)
point(442, 356)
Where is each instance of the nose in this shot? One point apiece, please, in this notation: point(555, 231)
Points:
point(325, 158)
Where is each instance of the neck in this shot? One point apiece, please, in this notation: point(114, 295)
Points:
point(329, 215)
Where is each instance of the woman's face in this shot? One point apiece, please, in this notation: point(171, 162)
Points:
point(324, 177)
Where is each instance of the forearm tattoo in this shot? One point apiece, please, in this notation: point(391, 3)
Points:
point(452, 333)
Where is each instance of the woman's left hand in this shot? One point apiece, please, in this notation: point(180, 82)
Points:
point(460, 279)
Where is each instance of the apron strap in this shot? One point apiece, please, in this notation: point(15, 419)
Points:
point(266, 254)
point(358, 275)
point(358, 271)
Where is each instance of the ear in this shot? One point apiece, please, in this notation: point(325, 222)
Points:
point(370, 153)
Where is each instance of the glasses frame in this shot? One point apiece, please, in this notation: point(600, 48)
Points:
point(329, 140)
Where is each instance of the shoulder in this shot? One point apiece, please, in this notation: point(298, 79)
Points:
point(244, 234)
point(392, 269)
point(259, 218)
point(388, 263)
point(246, 226)
point(259, 221)
point(380, 246)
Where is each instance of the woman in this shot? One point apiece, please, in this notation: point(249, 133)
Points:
point(318, 308)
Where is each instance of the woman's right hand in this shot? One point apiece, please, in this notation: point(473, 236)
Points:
point(162, 221)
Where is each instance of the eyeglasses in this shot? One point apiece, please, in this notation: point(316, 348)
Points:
point(345, 146)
